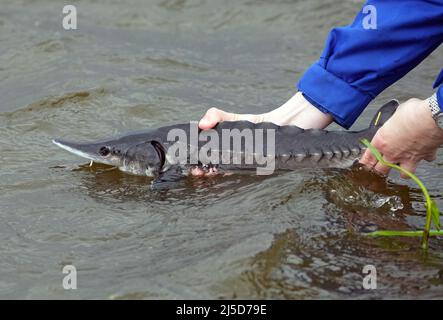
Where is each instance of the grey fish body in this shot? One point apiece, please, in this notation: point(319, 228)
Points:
point(146, 153)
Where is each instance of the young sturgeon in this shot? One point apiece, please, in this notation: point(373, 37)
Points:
point(146, 153)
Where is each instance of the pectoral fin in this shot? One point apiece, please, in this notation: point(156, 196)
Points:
point(168, 179)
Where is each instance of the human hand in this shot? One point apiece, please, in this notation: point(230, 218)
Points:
point(408, 137)
point(296, 111)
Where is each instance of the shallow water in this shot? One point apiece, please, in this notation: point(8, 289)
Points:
point(134, 65)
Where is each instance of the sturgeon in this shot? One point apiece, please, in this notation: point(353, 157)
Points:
point(147, 152)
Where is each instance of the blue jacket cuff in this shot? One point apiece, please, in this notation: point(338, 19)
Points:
point(440, 97)
point(437, 83)
point(333, 95)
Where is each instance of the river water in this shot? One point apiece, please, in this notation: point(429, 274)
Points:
point(136, 64)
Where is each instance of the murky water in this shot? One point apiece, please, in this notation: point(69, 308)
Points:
point(133, 65)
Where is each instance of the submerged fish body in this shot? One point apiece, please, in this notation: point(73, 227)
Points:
point(149, 152)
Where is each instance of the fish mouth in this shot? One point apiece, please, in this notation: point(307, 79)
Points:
point(84, 150)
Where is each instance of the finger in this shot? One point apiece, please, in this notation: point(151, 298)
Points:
point(368, 159)
point(410, 166)
point(198, 172)
point(211, 118)
point(382, 169)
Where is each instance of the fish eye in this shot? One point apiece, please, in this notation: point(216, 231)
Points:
point(104, 151)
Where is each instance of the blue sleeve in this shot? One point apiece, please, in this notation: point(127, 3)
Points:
point(437, 83)
point(359, 63)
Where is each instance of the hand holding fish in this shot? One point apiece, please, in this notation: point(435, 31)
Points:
point(410, 136)
point(297, 111)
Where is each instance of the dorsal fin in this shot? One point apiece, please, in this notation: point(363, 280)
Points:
point(384, 113)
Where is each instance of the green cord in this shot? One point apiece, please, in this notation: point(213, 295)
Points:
point(432, 211)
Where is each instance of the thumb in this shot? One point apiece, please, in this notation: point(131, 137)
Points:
point(214, 116)
point(368, 159)
point(210, 119)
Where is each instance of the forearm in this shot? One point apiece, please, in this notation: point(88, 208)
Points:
point(297, 111)
point(358, 63)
